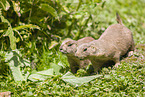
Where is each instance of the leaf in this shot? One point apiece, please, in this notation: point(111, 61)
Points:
point(15, 62)
point(68, 75)
point(26, 26)
point(56, 68)
point(36, 77)
point(78, 81)
point(14, 66)
point(5, 20)
point(46, 72)
point(10, 34)
point(49, 9)
point(16, 71)
point(41, 75)
point(5, 4)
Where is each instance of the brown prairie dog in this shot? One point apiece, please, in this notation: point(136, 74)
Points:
point(115, 42)
point(69, 47)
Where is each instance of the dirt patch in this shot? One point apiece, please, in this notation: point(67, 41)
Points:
point(138, 55)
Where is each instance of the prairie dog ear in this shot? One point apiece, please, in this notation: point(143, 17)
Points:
point(93, 49)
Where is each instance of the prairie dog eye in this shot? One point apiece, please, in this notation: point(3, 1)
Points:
point(85, 49)
point(70, 44)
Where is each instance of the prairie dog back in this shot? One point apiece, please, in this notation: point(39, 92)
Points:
point(119, 36)
point(84, 40)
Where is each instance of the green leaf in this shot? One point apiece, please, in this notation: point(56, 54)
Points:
point(41, 75)
point(5, 20)
point(36, 77)
point(78, 81)
point(26, 26)
point(16, 70)
point(68, 75)
point(46, 72)
point(14, 66)
point(15, 62)
point(56, 68)
point(49, 9)
point(10, 34)
point(5, 4)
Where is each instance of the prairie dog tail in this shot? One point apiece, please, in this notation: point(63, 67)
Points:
point(118, 19)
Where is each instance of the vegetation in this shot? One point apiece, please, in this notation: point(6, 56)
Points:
point(31, 32)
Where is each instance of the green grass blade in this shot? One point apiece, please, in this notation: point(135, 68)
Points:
point(26, 26)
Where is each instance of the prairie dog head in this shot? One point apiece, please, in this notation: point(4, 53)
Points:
point(68, 46)
point(87, 50)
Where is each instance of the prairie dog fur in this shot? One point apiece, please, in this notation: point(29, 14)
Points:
point(115, 42)
point(69, 47)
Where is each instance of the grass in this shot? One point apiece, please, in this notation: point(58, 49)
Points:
point(128, 80)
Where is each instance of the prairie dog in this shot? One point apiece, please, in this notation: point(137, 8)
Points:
point(69, 47)
point(115, 42)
